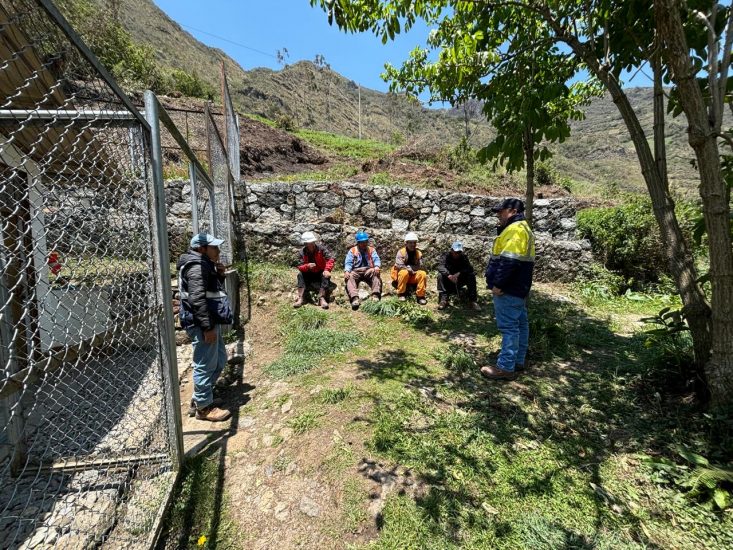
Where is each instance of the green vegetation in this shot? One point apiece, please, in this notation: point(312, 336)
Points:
point(131, 62)
point(626, 239)
point(307, 340)
point(361, 149)
point(197, 517)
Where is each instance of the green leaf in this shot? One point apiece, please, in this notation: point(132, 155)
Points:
point(721, 497)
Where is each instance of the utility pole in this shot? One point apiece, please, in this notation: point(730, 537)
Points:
point(359, 86)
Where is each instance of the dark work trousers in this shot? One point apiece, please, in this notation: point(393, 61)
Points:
point(313, 279)
point(446, 286)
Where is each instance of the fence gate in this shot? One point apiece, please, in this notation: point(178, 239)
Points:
point(90, 443)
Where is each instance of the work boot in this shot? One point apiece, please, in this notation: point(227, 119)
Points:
point(300, 299)
point(443, 303)
point(495, 373)
point(402, 298)
point(355, 303)
point(474, 306)
point(212, 414)
point(323, 299)
point(422, 301)
point(376, 298)
point(519, 367)
point(217, 402)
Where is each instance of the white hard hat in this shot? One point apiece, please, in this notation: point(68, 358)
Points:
point(308, 237)
point(411, 236)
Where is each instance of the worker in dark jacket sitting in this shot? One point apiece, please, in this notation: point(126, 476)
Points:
point(204, 308)
point(454, 272)
point(315, 263)
point(509, 276)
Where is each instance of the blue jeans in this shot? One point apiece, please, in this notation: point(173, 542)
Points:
point(208, 362)
point(512, 322)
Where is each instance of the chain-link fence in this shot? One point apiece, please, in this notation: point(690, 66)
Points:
point(89, 414)
point(221, 175)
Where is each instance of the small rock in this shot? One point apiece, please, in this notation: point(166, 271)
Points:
point(286, 406)
point(290, 468)
point(286, 433)
point(268, 440)
point(309, 507)
point(246, 422)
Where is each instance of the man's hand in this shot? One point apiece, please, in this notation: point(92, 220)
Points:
point(496, 291)
point(376, 271)
point(347, 274)
point(453, 278)
point(311, 265)
point(220, 268)
point(410, 270)
point(210, 336)
point(327, 274)
point(369, 272)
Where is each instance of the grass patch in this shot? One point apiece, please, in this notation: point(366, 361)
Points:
point(361, 149)
point(197, 511)
point(333, 396)
point(408, 311)
point(307, 341)
point(305, 421)
point(263, 276)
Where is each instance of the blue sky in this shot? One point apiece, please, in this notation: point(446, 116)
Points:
point(251, 31)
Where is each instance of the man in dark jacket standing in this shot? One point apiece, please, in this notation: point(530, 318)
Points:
point(509, 276)
point(315, 263)
point(204, 308)
point(454, 272)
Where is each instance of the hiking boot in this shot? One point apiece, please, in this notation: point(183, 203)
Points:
point(422, 301)
point(376, 298)
point(495, 373)
point(323, 299)
point(521, 367)
point(402, 298)
point(355, 303)
point(212, 414)
point(217, 402)
point(300, 300)
point(443, 303)
point(474, 306)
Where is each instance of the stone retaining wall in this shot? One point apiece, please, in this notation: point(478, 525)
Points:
point(273, 215)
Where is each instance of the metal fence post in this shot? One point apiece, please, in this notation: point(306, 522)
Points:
point(163, 280)
point(194, 198)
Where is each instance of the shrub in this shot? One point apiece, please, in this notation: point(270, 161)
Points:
point(189, 85)
point(286, 122)
point(626, 239)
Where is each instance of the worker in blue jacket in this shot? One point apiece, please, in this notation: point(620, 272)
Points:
point(362, 263)
point(509, 276)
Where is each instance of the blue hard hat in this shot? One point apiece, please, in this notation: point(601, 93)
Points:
point(362, 236)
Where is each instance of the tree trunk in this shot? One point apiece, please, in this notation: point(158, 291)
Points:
point(528, 143)
point(681, 264)
point(715, 197)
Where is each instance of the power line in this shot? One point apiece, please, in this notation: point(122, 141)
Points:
point(230, 41)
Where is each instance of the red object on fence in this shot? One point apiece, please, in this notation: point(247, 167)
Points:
point(54, 262)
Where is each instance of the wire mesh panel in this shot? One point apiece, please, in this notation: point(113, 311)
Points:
point(232, 128)
point(88, 449)
point(222, 178)
point(203, 199)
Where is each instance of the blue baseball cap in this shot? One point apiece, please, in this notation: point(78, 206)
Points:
point(204, 239)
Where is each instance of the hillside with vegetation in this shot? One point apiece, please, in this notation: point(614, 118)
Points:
point(311, 99)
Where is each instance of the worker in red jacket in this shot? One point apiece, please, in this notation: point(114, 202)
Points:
point(315, 263)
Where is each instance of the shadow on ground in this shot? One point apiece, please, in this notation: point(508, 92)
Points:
point(541, 440)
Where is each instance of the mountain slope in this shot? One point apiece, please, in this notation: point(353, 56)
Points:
point(599, 150)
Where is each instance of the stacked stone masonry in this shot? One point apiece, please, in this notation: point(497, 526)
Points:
point(273, 215)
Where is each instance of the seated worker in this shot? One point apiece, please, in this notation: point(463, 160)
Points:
point(407, 270)
point(454, 272)
point(362, 263)
point(315, 263)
